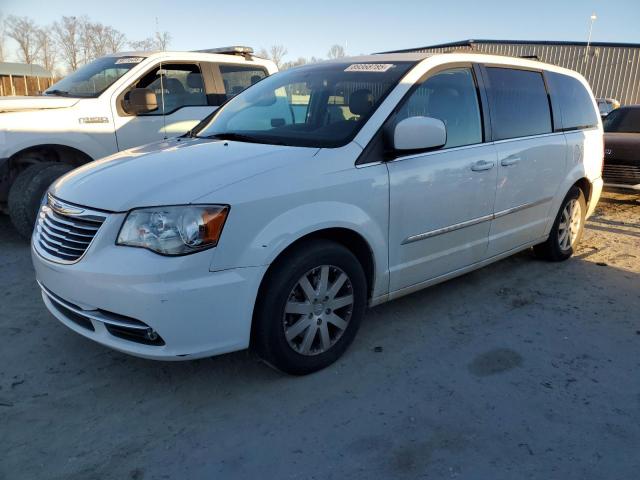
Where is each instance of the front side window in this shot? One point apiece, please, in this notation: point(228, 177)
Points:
point(176, 86)
point(518, 102)
point(576, 106)
point(449, 96)
point(237, 78)
point(623, 120)
point(94, 78)
point(320, 105)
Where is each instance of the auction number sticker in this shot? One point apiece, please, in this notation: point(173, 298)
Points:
point(129, 60)
point(369, 67)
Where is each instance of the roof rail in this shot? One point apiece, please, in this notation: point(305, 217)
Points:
point(246, 52)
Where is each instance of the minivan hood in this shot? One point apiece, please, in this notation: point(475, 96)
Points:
point(15, 104)
point(174, 172)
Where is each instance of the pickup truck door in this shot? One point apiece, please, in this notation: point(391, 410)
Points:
point(183, 94)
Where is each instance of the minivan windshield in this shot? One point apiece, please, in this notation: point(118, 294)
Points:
point(93, 78)
point(623, 120)
point(320, 105)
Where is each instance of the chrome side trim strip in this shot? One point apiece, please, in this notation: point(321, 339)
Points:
point(450, 228)
point(524, 206)
point(89, 314)
point(474, 221)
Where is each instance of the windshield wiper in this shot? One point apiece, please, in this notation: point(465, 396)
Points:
point(55, 91)
point(239, 137)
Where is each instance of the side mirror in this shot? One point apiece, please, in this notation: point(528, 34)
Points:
point(141, 100)
point(419, 133)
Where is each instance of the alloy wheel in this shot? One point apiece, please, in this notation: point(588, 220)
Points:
point(570, 224)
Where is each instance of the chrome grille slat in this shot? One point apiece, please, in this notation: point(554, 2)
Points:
point(621, 173)
point(64, 232)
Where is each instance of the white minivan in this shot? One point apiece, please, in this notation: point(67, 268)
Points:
point(315, 193)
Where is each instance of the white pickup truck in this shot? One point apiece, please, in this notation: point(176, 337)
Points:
point(117, 102)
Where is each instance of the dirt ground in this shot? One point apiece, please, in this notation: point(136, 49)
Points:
point(523, 369)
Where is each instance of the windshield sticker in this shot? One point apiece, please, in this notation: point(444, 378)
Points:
point(128, 60)
point(369, 67)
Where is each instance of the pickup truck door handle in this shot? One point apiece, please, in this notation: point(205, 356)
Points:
point(482, 165)
point(510, 160)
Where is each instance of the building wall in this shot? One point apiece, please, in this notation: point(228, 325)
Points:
point(19, 87)
point(611, 71)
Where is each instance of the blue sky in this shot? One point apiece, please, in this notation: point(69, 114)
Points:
point(310, 28)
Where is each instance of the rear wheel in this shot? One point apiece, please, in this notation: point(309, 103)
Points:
point(567, 229)
point(27, 191)
point(310, 308)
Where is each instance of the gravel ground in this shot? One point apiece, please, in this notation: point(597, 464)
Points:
point(523, 369)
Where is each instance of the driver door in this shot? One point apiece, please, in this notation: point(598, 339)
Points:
point(181, 92)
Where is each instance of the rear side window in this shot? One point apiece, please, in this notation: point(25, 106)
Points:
point(236, 78)
point(576, 106)
point(518, 102)
point(449, 96)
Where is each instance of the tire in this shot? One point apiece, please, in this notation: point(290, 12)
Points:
point(27, 191)
point(296, 335)
point(563, 241)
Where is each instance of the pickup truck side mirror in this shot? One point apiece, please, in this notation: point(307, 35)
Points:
point(141, 100)
point(419, 133)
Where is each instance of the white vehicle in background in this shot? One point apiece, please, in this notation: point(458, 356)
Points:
point(117, 102)
point(317, 192)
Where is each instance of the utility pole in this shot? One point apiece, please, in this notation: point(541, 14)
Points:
point(593, 19)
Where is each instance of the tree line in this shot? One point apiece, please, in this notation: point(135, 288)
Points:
point(69, 42)
point(73, 41)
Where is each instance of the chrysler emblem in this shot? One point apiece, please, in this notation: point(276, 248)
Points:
point(63, 208)
point(608, 151)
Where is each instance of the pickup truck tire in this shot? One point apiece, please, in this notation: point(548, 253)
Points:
point(27, 191)
point(317, 286)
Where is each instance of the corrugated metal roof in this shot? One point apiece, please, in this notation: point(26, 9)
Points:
point(471, 42)
point(22, 69)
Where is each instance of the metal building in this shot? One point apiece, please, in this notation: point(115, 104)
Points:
point(612, 69)
point(23, 79)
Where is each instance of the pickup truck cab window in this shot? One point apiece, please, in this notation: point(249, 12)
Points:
point(237, 78)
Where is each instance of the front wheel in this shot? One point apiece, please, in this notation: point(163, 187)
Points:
point(310, 308)
point(567, 229)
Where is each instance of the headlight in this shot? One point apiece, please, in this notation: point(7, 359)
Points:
point(174, 230)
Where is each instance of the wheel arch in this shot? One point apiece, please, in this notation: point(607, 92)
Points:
point(48, 152)
point(346, 237)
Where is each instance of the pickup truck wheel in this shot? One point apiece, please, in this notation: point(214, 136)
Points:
point(567, 229)
point(27, 191)
point(311, 308)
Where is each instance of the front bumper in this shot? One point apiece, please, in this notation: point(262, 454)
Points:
point(195, 313)
point(596, 192)
point(623, 175)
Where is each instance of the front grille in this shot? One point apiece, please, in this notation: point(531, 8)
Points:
point(64, 234)
point(621, 174)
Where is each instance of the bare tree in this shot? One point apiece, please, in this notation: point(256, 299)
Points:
point(294, 63)
point(68, 35)
point(277, 53)
point(25, 32)
point(114, 39)
point(336, 51)
point(48, 49)
point(3, 35)
point(159, 41)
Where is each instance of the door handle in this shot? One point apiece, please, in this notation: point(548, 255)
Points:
point(510, 160)
point(482, 165)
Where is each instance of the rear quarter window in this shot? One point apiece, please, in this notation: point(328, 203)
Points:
point(519, 104)
point(576, 106)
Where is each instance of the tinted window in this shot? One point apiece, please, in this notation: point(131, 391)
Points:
point(449, 96)
point(175, 86)
point(623, 120)
point(519, 103)
point(576, 106)
point(238, 77)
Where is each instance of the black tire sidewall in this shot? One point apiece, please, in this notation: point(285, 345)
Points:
point(269, 337)
point(27, 191)
point(574, 194)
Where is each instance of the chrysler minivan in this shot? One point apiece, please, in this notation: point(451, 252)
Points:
point(315, 193)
